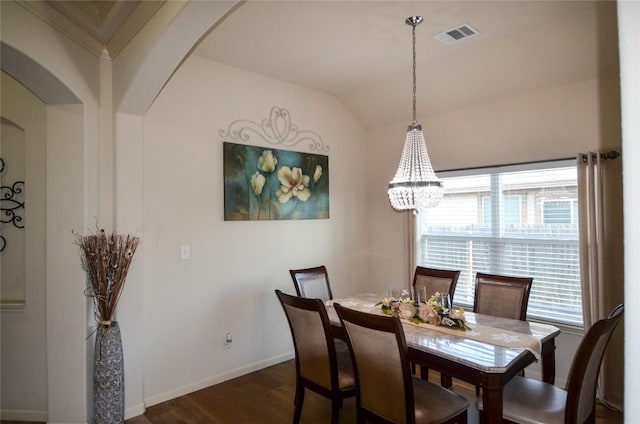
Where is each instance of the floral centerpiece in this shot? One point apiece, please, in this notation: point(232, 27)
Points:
point(430, 312)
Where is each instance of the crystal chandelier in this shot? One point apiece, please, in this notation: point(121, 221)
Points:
point(415, 185)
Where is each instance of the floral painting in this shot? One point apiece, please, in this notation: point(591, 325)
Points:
point(271, 184)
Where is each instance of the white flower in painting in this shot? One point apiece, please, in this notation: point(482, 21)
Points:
point(317, 174)
point(293, 183)
point(257, 183)
point(267, 162)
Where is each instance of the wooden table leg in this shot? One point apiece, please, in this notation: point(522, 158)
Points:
point(549, 361)
point(492, 402)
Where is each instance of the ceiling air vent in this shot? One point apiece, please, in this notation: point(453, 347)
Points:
point(456, 34)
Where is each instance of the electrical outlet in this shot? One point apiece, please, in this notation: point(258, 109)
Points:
point(228, 340)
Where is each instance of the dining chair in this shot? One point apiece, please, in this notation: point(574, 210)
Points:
point(312, 282)
point(434, 281)
point(502, 296)
point(319, 367)
point(385, 389)
point(526, 400)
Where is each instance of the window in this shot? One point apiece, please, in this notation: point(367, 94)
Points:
point(519, 220)
point(560, 211)
point(511, 213)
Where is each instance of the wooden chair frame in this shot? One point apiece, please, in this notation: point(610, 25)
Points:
point(580, 393)
point(438, 273)
point(334, 392)
point(389, 325)
point(452, 276)
point(591, 351)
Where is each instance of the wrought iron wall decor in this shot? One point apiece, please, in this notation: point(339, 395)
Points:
point(277, 130)
point(12, 205)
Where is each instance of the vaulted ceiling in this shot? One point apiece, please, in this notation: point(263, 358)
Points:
point(360, 51)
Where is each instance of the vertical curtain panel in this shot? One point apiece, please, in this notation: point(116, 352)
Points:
point(594, 269)
point(591, 215)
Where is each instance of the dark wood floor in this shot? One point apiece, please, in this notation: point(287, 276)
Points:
point(266, 396)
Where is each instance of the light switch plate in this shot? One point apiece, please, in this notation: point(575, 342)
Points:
point(185, 252)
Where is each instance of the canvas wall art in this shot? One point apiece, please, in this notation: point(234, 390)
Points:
point(262, 183)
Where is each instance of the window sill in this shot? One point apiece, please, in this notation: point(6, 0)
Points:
point(564, 328)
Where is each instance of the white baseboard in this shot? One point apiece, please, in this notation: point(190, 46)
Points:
point(215, 379)
point(53, 422)
point(41, 416)
point(23, 415)
point(134, 411)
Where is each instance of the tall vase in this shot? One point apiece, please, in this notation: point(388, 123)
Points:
point(108, 375)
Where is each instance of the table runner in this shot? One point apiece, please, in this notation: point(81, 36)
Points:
point(482, 333)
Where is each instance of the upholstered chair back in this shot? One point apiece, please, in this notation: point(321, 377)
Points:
point(436, 280)
point(310, 344)
point(380, 364)
point(502, 296)
point(312, 283)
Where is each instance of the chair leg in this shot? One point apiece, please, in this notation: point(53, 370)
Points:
point(297, 401)
point(446, 381)
point(424, 372)
point(335, 410)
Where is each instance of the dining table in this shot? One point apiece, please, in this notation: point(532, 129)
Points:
point(489, 354)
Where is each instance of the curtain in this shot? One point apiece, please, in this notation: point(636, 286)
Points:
point(411, 262)
point(595, 266)
point(591, 228)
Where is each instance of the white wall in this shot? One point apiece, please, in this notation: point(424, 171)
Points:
point(73, 190)
point(68, 319)
point(129, 220)
point(629, 34)
point(24, 330)
point(228, 284)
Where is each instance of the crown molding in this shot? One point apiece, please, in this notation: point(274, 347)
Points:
point(64, 25)
point(136, 20)
point(96, 33)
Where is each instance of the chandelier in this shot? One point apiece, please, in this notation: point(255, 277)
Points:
point(415, 185)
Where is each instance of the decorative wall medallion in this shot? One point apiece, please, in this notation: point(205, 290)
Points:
point(276, 130)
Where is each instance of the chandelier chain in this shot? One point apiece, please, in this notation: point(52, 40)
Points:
point(414, 73)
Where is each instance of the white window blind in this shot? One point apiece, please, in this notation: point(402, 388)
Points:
point(518, 220)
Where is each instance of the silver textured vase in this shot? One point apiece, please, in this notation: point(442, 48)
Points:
point(108, 375)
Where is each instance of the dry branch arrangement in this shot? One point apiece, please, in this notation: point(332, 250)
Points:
point(106, 259)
